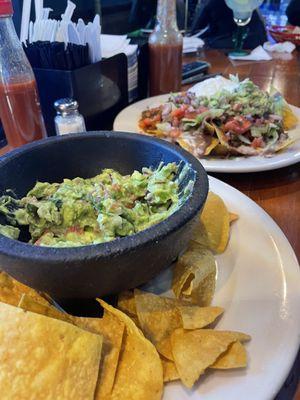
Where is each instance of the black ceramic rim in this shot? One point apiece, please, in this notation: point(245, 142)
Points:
point(15, 248)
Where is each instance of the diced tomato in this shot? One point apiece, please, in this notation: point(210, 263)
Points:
point(191, 115)
point(175, 122)
point(148, 122)
point(175, 133)
point(179, 112)
point(141, 124)
point(237, 125)
point(257, 142)
point(194, 114)
point(157, 118)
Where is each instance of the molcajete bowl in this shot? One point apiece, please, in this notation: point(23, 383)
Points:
point(108, 268)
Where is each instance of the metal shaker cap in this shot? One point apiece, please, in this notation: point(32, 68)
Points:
point(65, 106)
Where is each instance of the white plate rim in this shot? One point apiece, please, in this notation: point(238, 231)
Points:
point(289, 156)
point(291, 270)
point(282, 241)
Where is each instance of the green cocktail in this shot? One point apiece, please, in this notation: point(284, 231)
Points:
point(242, 13)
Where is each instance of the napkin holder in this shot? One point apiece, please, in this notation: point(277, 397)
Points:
point(101, 90)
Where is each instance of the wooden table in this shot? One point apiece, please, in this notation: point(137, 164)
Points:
point(277, 192)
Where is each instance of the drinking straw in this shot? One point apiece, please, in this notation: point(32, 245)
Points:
point(54, 30)
point(38, 4)
point(46, 55)
point(25, 20)
point(30, 32)
point(68, 12)
point(81, 30)
point(37, 30)
point(46, 12)
point(47, 30)
point(97, 38)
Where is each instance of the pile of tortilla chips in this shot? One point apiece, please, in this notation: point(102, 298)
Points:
point(132, 350)
point(180, 327)
point(48, 354)
point(178, 330)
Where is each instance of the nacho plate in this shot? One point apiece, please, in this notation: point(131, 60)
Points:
point(127, 121)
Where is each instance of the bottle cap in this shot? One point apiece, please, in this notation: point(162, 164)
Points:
point(64, 106)
point(6, 8)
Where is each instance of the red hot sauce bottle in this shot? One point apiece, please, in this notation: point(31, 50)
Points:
point(165, 51)
point(20, 111)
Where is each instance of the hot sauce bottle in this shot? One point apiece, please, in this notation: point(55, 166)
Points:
point(20, 111)
point(165, 51)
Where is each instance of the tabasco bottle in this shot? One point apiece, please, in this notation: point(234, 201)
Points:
point(20, 111)
point(165, 51)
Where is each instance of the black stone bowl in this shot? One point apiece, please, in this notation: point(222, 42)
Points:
point(103, 269)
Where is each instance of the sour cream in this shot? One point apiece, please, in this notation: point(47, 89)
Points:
point(211, 86)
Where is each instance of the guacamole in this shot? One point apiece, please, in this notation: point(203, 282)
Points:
point(80, 212)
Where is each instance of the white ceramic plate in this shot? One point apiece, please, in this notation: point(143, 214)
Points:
point(258, 284)
point(127, 121)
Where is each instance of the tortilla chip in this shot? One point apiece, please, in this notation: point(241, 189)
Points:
point(220, 150)
point(233, 217)
point(209, 149)
point(290, 120)
point(11, 290)
point(139, 374)
point(194, 317)
point(45, 357)
point(194, 351)
point(152, 132)
point(169, 370)
point(29, 304)
point(283, 145)
point(111, 329)
point(209, 128)
point(238, 336)
point(234, 357)
point(126, 303)
point(9, 297)
point(221, 136)
point(214, 228)
point(184, 144)
point(158, 318)
point(6, 280)
point(194, 276)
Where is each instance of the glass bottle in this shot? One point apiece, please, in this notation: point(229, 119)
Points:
point(165, 51)
point(68, 119)
point(20, 111)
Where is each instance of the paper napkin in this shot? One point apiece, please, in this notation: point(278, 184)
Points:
point(192, 44)
point(258, 54)
point(284, 47)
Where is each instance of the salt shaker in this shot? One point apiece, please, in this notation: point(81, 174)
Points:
point(68, 118)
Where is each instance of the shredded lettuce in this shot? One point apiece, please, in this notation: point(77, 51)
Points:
point(209, 114)
point(244, 139)
point(164, 126)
